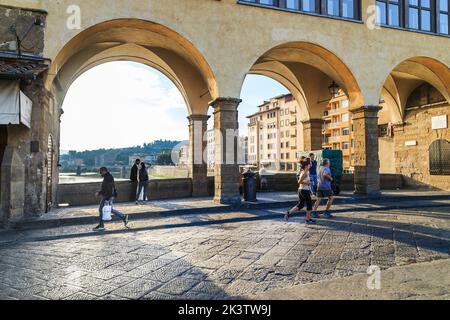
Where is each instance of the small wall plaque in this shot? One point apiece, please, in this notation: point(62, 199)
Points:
point(411, 143)
point(439, 122)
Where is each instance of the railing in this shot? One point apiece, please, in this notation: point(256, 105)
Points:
point(334, 139)
point(331, 125)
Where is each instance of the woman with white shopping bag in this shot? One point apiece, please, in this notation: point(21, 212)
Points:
point(107, 194)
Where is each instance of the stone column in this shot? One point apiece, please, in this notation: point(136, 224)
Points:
point(226, 171)
point(198, 168)
point(312, 134)
point(367, 163)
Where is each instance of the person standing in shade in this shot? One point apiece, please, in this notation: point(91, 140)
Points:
point(313, 173)
point(134, 170)
point(106, 194)
point(143, 182)
point(304, 194)
point(324, 189)
point(134, 177)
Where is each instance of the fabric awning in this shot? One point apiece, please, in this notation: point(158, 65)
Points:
point(15, 106)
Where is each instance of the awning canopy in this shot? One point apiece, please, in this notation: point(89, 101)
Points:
point(15, 106)
point(14, 66)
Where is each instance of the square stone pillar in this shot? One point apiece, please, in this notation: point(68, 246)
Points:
point(312, 134)
point(367, 163)
point(226, 167)
point(198, 168)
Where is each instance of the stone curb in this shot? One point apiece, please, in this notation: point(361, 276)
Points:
point(33, 224)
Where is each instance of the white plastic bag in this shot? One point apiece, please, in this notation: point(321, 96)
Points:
point(106, 212)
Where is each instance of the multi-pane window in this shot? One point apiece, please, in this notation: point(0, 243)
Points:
point(424, 15)
point(418, 15)
point(388, 12)
point(442, 16)
point(345, 131)
point(345, 117)
point(338, 8)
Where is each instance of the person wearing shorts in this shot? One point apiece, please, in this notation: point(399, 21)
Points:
point(324, 189)
point(304, 194)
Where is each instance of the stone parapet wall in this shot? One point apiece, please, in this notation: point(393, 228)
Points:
point(288, 182)
point(83, 194)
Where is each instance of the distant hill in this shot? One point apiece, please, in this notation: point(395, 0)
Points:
point(119, 157)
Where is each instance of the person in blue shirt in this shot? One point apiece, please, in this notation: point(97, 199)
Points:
point(324, 188)
point(313, 173)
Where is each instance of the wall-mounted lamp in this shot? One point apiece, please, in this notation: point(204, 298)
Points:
point(334, 89)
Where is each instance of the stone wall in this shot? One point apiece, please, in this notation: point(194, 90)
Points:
point(412, 162)
point(23, 190)
point(386, 154)
point(84, 193)
point(21, 19)
point(169, 171)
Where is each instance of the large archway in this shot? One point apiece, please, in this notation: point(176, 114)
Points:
point(414, 95)
point(153, 45)
point(318, 79)
point(307, 70)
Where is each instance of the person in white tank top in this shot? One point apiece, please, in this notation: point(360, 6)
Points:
point(304, 194)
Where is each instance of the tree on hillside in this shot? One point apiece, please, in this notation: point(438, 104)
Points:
point(164, 159)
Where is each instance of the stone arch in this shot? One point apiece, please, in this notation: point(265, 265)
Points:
point(407, 76)
point(301, 66)
point(141, 41)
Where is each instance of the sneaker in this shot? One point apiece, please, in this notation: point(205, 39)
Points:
point(99, 228)
point(328, 215)
point(311, 221)
point(125, 221)
point(286, 216)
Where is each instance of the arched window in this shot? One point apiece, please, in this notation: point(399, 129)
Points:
point(440, 157)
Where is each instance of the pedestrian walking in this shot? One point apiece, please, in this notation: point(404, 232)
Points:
point(107, 194)
point(304, 194)
point(143, 183)
point(324, 189)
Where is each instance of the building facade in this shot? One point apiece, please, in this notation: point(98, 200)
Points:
point(272, 134)
point(338, 133)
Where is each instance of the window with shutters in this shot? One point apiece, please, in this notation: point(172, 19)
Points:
point(440, 158)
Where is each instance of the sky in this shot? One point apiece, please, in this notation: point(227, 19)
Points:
point(123, 104)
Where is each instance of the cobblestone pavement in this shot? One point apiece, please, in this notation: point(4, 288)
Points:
point(161, 259)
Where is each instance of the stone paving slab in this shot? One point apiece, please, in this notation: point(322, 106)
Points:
point(161, 259)
point(427, 280)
